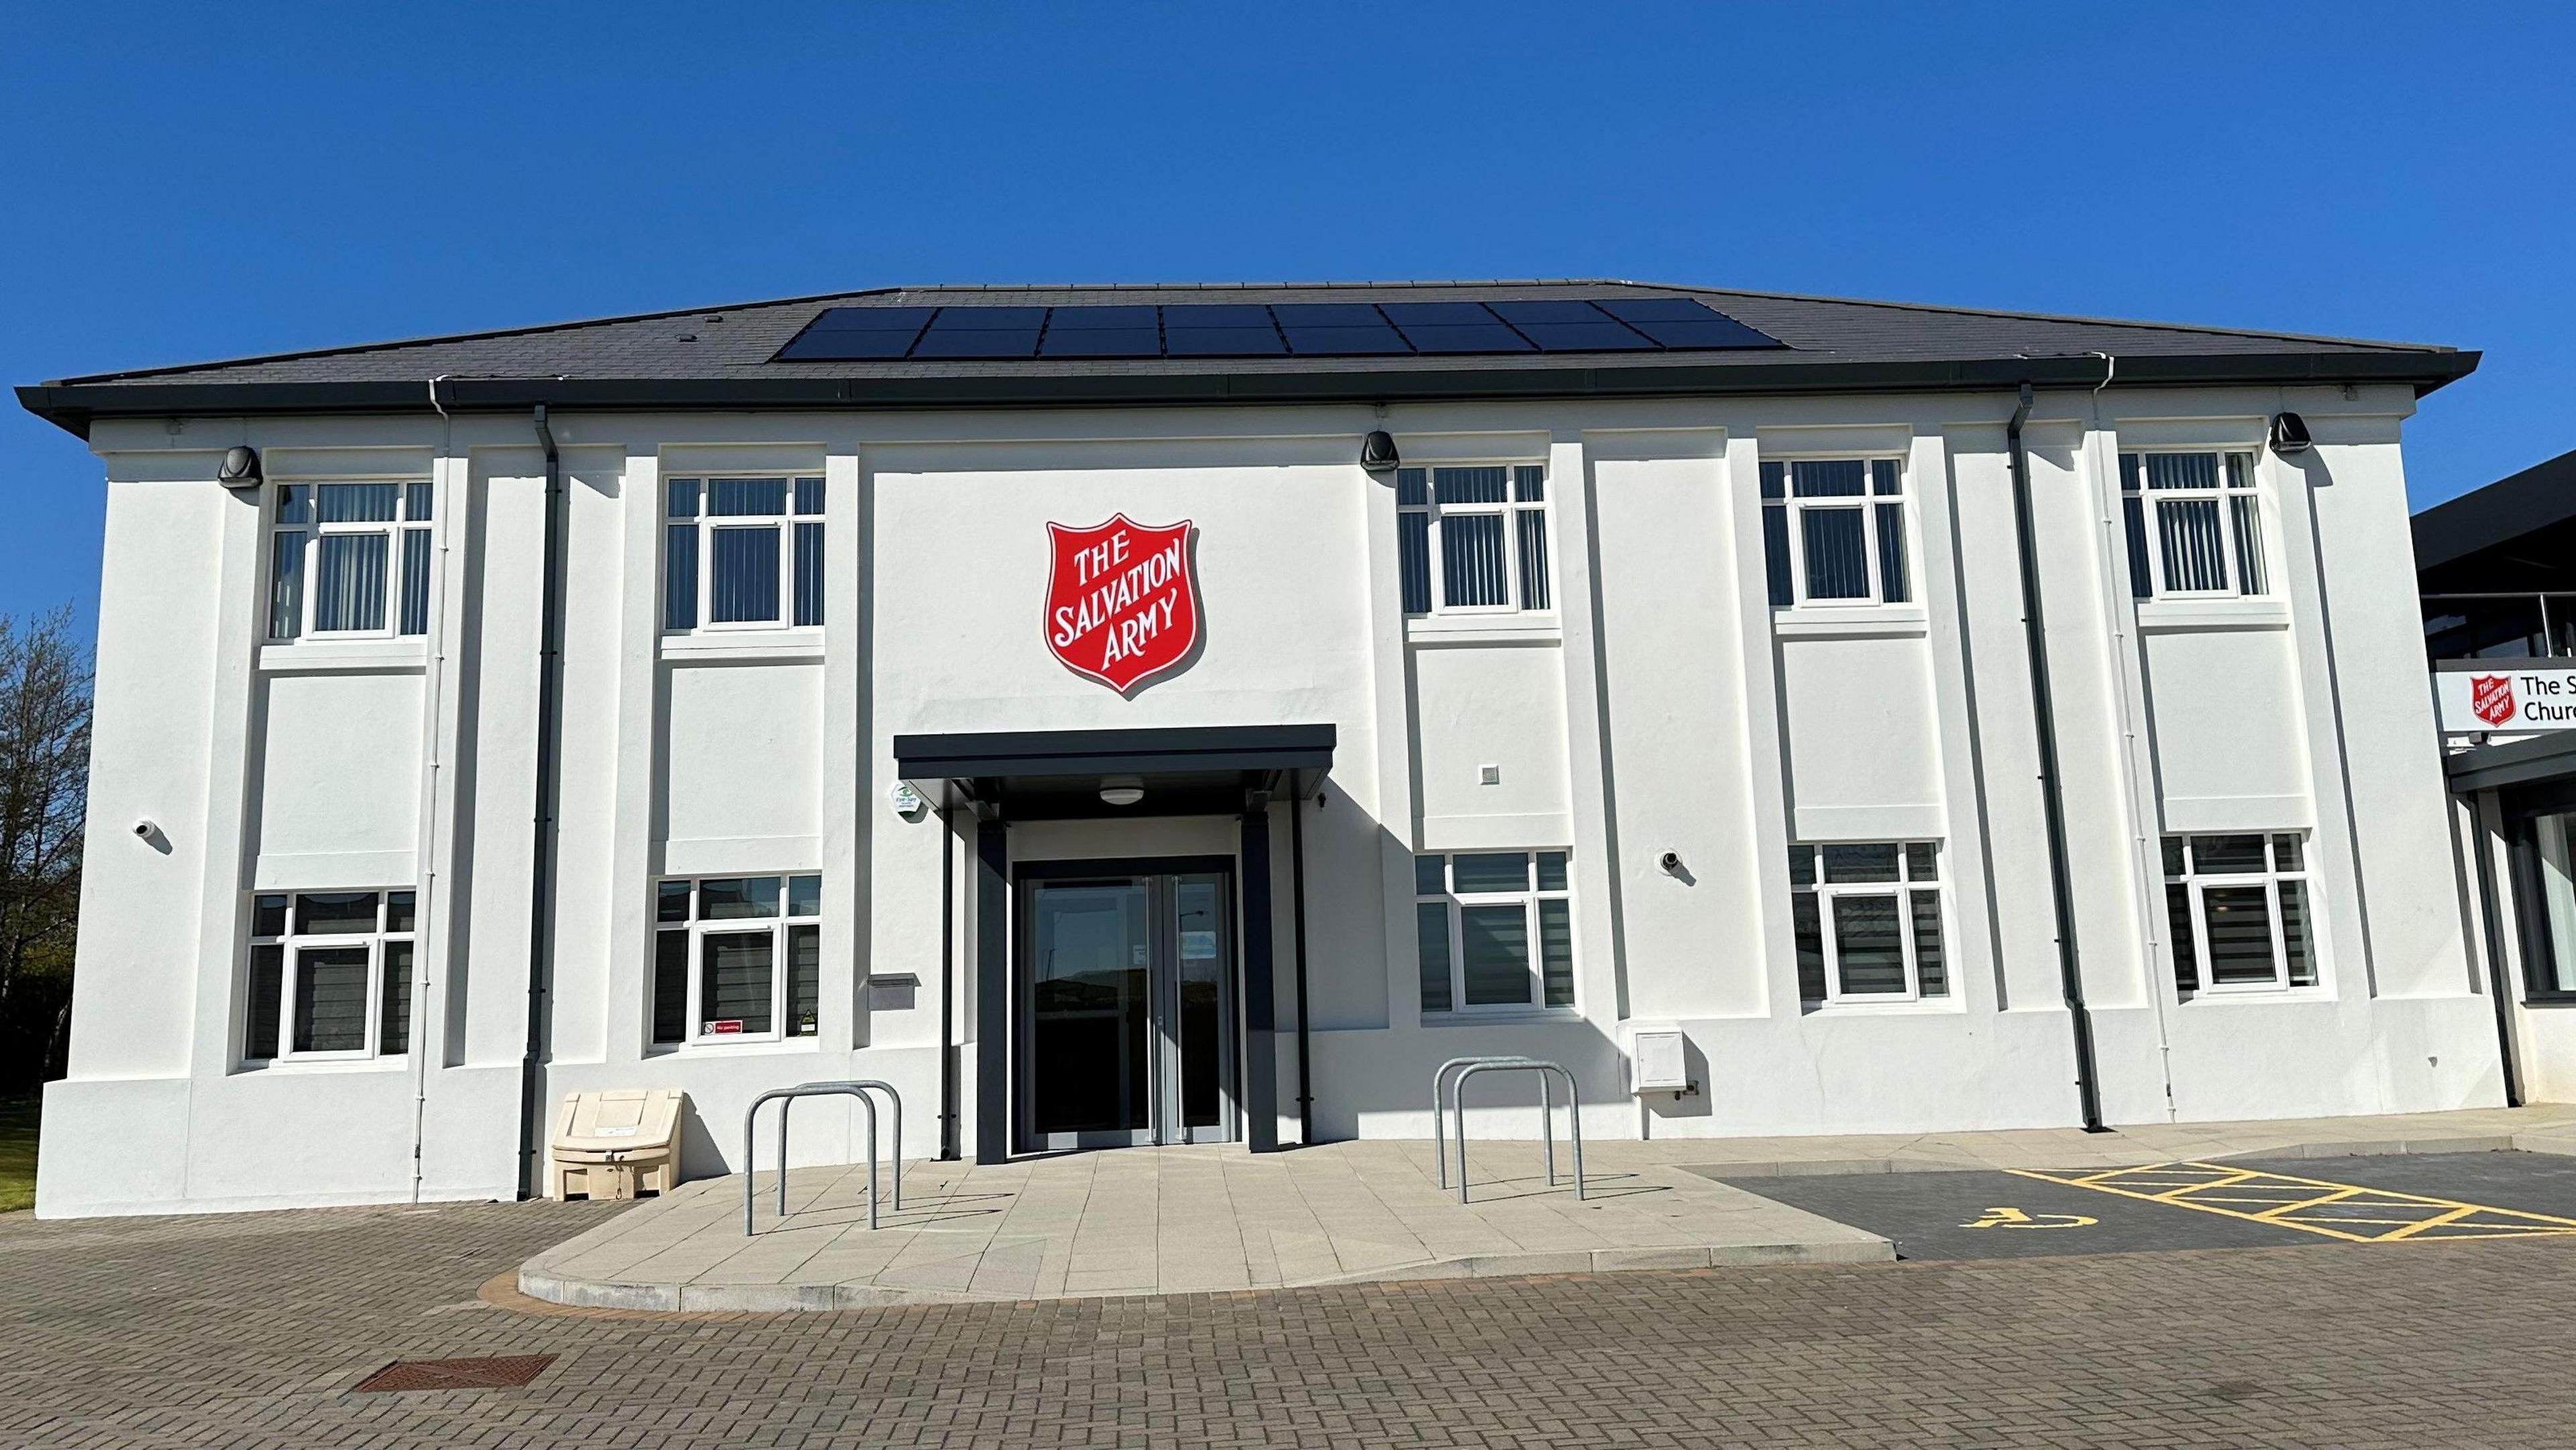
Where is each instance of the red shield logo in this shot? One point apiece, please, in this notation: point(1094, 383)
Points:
point(2491, 698)
point(1122, 601)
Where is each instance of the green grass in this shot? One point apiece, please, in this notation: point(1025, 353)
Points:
point(17, 1153)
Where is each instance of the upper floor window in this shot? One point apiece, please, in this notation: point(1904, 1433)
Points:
point(1473, 540)
point(2205, 539)
point(1868, 921)
point(737, 957)
point(330, 975)
point(348, 560)
point(1494, 933)
point(742, 553)
point(2238, 910)
point(1833, 531)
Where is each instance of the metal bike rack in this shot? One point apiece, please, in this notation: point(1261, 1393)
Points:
point(861, 1088)
point(1467, 1067)
point(1440, 1089)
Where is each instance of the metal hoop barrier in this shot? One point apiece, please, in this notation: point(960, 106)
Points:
point(861, 1088)
point(1440, 1089)
point(1573, 1112)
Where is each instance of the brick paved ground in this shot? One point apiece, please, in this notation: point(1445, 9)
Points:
point(249, 1331)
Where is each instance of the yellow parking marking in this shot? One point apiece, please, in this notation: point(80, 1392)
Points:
point(2347, 1211)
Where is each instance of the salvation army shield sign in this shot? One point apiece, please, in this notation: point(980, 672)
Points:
point(2491, 698)
point(1122, 601)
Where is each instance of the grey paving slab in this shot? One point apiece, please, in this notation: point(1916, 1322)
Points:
point(1142, 1221)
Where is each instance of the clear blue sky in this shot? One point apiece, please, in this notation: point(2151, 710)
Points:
point(203, 181)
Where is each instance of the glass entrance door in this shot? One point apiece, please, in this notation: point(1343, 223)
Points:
point(1125, 1011)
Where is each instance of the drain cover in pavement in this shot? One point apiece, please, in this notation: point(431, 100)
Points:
point(506, 1372)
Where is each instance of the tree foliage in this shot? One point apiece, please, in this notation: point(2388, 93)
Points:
point(44, 791)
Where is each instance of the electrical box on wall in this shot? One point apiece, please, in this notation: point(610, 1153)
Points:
point(1659, 1062)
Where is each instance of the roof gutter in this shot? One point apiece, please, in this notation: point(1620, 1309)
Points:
point(73, 404)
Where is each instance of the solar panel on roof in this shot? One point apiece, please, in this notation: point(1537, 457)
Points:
point(970, 342)
point(1482, 337)
point(1101, 342)
point(1601, 335)
point(1099, 319)
point(951, 319)
point(1344, 341)
point(1456, 314)
point(1327, 314)
point(1251, 329)
point(1337, 329)
point(1221, 342)
point(1216, 314)
point(1652, 309)
point(851, 346)
point(1518, 313)
point(871, 319)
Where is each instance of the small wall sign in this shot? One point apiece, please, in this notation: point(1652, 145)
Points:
point(1122, 601)
point(2505, 697)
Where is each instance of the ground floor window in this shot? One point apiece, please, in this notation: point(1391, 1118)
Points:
point(2238, 912)
point(1496, 931)
point(2547, 871)
point(330, 975)
point(1868, 921)
point(737, 957)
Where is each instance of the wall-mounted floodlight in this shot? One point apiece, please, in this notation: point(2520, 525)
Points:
point(1377, 452)
point(240, 468)
point(2290, 434)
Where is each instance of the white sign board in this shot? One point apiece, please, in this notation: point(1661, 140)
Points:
point(2506, 697)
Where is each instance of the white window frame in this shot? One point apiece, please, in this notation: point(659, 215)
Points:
point(2196, 885)
point(1528, 899)
point(292, 945)
point(1794, 510)
point(2229, 489)
point(309, 569)
point(694, 1032)
point(709, 525)
point(1509, 509)
point(1903, 890)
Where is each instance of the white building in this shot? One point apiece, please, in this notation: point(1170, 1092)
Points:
point(487, 718)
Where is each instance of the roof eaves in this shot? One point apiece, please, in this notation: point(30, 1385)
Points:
point(72, 405)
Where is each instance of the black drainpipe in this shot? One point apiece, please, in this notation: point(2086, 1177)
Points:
point(2497, 985)
point(541, 854)
point(1297, 888)
point(2088, 1089)
point(948, 1147)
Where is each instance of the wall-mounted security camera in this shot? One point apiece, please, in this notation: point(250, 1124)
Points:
point(145, 830)
point(1671, 861)
point(240, 468)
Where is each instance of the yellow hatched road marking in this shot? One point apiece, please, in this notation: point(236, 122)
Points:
point(2191, 1184)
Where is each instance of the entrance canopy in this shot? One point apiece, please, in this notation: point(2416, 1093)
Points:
point(1059, 774)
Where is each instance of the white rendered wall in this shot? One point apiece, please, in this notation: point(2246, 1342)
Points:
point(1662, 708)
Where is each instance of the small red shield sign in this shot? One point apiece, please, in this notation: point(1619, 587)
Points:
point(1122, 601)
point(2491, 698)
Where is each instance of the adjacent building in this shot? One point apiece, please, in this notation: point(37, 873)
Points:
point(1192, 714)
point(2498, 572)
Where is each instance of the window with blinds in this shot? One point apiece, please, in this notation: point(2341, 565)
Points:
point(1473, 539)
point(349, 560)
point(737, 958)
point(330, 975)
point(1833, 531)
point(2195, 525)
point(742, 553)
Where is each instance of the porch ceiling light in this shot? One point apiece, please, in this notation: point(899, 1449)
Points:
point(1121, 790)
